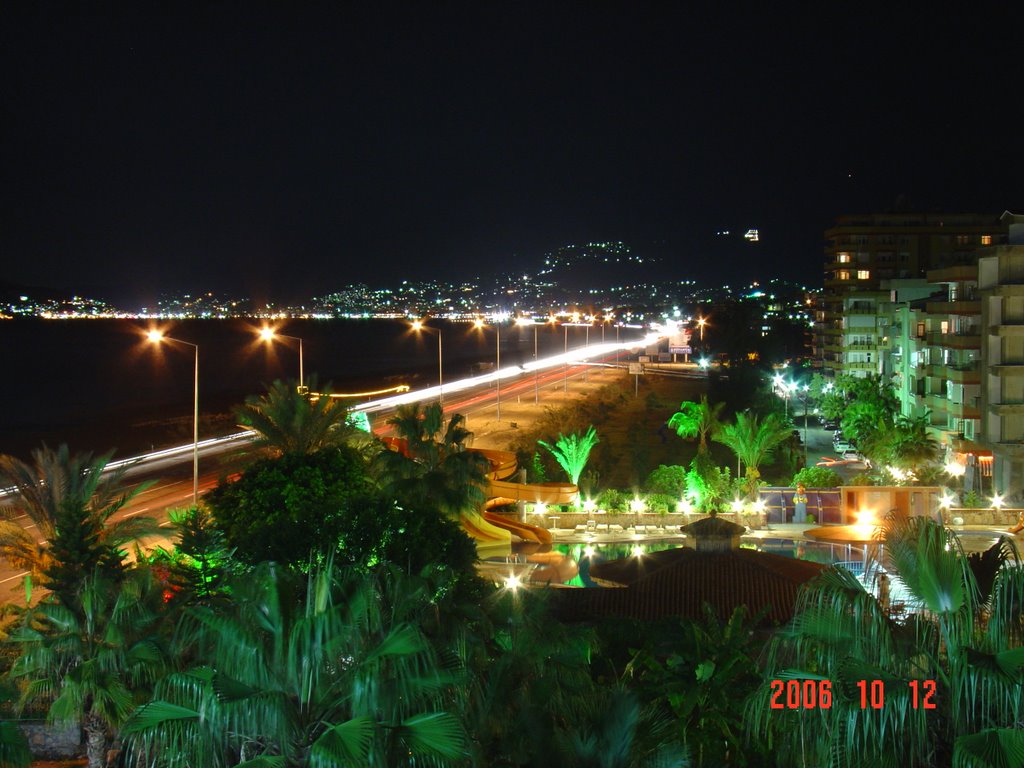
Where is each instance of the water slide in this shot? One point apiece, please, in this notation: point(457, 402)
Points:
point(493, 531)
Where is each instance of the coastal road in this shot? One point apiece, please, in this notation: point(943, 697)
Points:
point(171, 475)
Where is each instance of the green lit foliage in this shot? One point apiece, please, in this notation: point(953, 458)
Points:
point(287, 421)
point(283, 509)
point(329, 670)
point(614, 731)
point(817, 477)
point(202, 557)
point(73, 495)
point(753, 439)
point(709, 486)
point(91, 660)
point(699, 420)
point(436, 468)
point(670, 480)
point(14, 751)
point(380, 531)
point(572, 452)
point(702, 672)
point(971, 647)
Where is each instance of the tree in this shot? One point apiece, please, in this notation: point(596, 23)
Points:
point(285, 508)
point(90, 661)
point(433, 466)
point(817, 477)
point(202, 558)
point(957, 652)
point(572, 452)
point(753, 440)
point(75, 494)
point(670, 480)
point(330, 670)
point(288, 421)
point(699, 420)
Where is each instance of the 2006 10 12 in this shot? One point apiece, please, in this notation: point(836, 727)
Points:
point(817, 694)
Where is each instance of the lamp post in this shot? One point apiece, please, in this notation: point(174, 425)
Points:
point(587, 345)
point(268, 334)
point(536, 382)
point(565, 369)
point(156, 337)
point(497, 376)
point(417, 325)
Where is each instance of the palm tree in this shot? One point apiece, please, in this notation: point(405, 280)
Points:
point(90, 663)
point(333, 671)
point(57, 485)
point(952, 674)
point(752, 440)
point(699, 420)
point(572, 452)
point(434, 464)
point(287, 421)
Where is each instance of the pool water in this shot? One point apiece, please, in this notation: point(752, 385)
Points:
point(587, 554)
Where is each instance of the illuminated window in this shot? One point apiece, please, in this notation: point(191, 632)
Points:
point(863, 274)
point(844, 258)
point(843, 274)
point(986, 239)
point(962, 239)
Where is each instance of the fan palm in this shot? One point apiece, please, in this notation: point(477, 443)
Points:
point(434, 465)
point(287, 421)
point(970, 650)
point(54, 484)
point(335, 673)
point(699, 420)
point(90, 663)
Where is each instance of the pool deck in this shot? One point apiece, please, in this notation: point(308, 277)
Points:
point(975, 538)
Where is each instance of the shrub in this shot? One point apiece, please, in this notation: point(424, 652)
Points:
point(612, 499)
point(817, 477)
point(662, 503)
point(670, 480)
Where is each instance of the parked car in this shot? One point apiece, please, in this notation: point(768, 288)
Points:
point(843, 447)
point(830, 424)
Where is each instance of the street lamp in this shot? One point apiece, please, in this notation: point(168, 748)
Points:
point(268, 334)
point(417, 325)
point(701, 322)
point(497, 376)
point(156, 337)
point(565, 369)
point(536, 383)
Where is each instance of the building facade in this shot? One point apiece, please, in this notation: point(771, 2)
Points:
point(862, 252)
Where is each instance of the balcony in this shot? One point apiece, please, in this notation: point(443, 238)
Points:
point(861, 311)
point(861, 346)
point(860, 366)
point(962, 307)
point(953, 340)
point(1012, 408)
point(1007, 329)
point(968, 375)
point(963, 273)
point(1007, 369)
point(940, 404)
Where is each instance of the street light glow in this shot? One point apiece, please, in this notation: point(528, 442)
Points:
point(155, 336)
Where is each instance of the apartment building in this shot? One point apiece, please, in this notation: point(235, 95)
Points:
point(863, 251)
point(1001, 287)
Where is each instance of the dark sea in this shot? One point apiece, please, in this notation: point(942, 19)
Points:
point(99, 385)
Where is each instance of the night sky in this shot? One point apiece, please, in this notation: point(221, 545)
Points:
point(282, 153)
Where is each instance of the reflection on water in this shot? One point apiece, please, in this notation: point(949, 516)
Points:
point(570, 563)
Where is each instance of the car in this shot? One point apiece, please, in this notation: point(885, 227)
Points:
point(842, 447)
point(830, 424)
